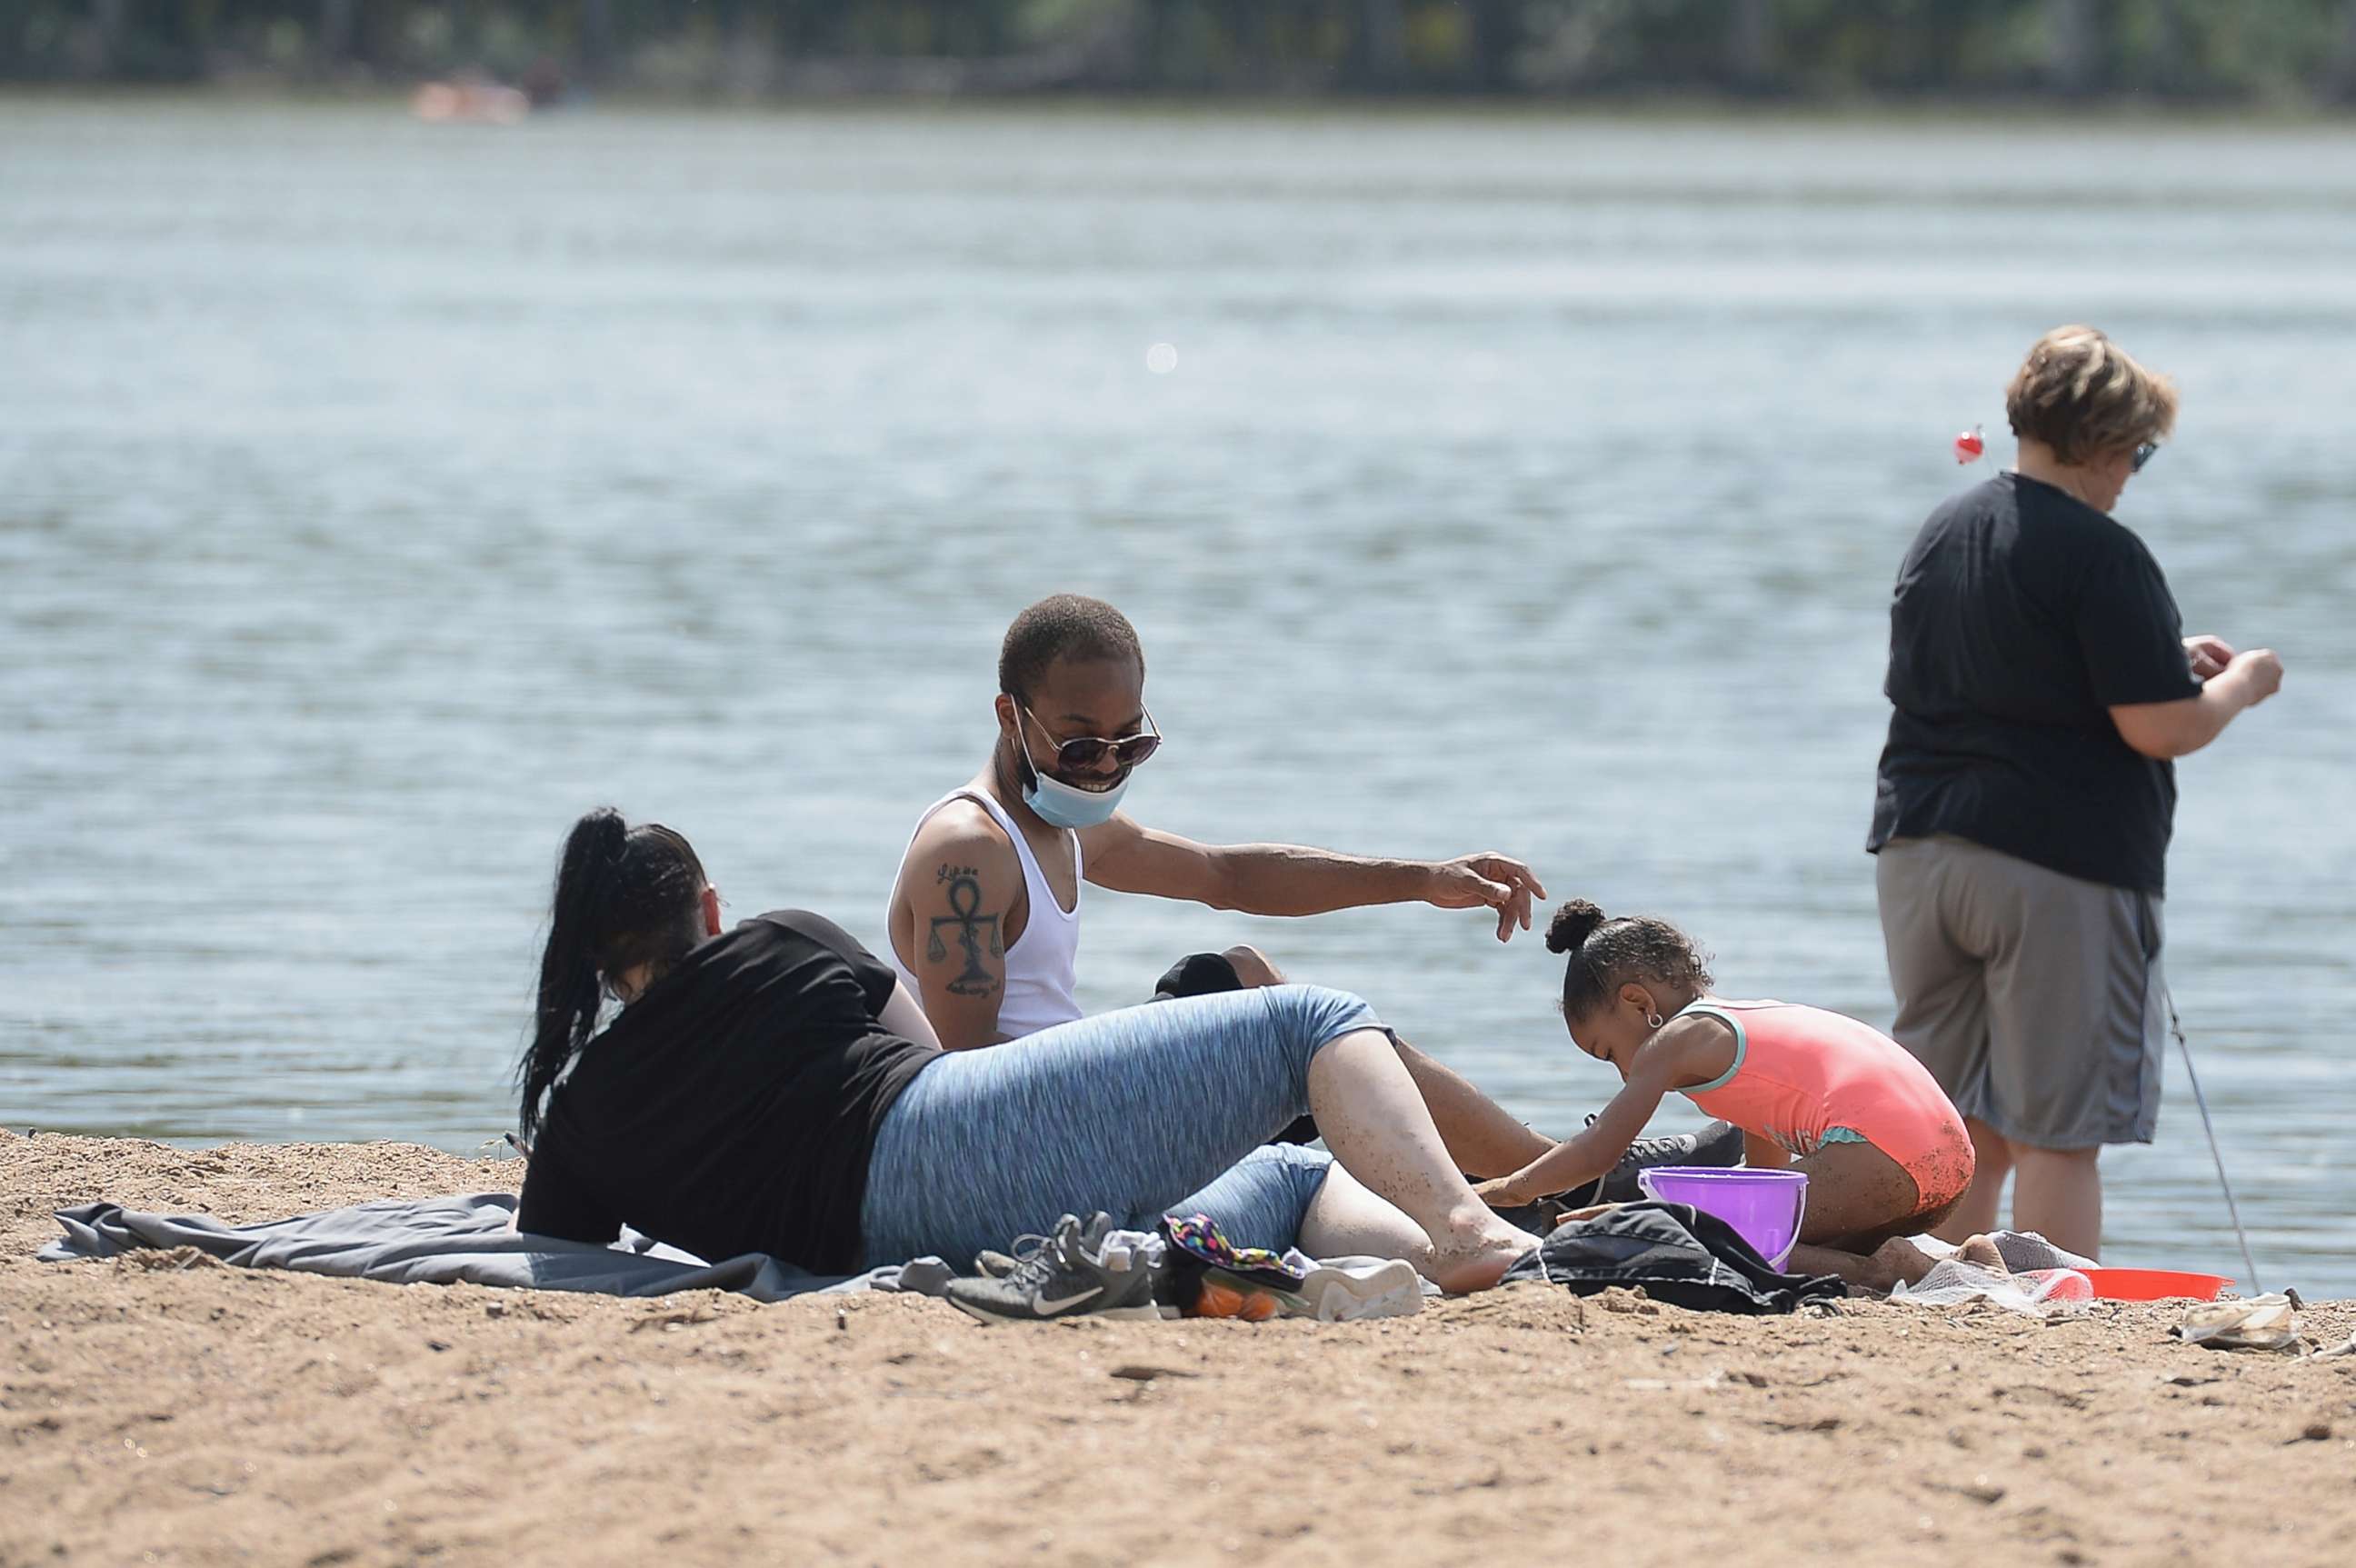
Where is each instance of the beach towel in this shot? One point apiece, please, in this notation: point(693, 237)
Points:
point(1677, 1254)
point(445, 1240)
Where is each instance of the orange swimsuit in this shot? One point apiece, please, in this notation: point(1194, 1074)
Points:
point(1807, 1077)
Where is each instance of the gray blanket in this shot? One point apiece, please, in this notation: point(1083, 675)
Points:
point(443, 1241)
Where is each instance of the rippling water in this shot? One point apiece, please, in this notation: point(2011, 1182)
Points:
point(374, 496)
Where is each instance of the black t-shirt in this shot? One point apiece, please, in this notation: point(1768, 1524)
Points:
point(2022, 616)
point(733, 1107)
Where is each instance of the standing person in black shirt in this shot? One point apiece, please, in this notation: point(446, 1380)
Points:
point(775, 1089)
point(2042, 687)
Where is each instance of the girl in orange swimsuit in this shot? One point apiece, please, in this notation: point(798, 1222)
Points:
point(1884, 1153)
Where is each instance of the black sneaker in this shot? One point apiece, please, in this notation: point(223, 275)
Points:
point(1720, 1144)
point(1073, 1273)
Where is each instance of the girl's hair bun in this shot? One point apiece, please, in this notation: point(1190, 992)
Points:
point(1572, 925)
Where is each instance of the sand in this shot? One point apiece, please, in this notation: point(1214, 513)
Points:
point(165, 1410)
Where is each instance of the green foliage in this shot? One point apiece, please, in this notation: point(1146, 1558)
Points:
point(2217, 50)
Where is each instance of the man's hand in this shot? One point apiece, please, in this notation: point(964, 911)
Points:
point(2210, 655)
point(1490, 881)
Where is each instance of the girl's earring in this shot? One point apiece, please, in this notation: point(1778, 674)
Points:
point(1654, 1020)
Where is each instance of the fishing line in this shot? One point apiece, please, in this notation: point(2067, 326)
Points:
point(2177, 1028)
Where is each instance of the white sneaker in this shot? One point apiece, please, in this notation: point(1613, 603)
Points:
point(1351, 1289)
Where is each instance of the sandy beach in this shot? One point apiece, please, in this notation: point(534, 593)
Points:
point(169, 1409)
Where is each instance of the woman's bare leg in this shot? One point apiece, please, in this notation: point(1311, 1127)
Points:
point(1346, 1221)
point(1375, 1120)
point(1482, 1137)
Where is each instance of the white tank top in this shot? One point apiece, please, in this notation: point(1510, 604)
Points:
point(1042, 968)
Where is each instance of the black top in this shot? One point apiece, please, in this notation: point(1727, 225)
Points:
point(2022, 616)
point(733, 1107)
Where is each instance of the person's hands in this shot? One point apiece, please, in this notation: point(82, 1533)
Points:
point(1499, 1192)
point(1494, 881)
point(1590, 1212)
point(2210, 655)
point(2259, 670)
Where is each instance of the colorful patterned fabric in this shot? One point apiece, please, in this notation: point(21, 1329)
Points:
point(1197, 1236)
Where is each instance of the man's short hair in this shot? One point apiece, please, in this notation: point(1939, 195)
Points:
point(1066, 626)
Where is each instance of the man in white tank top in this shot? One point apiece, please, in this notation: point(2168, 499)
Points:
point(985, 913)
point(984, 920)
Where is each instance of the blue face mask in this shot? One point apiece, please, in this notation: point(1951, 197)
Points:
point(1064, 805)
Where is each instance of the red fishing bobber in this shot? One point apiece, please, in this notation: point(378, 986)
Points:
point(1969, 447)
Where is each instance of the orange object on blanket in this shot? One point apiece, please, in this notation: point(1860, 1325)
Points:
point(1221, 1299)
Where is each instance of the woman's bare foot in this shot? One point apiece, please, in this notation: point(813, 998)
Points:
point(1477, 1259)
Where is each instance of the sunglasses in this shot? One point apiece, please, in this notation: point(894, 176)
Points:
point(2142, 456)
point(1084, 751)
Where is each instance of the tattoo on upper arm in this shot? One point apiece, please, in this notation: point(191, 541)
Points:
point(973, 929)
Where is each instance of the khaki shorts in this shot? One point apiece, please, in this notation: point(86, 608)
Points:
point(2035, 999)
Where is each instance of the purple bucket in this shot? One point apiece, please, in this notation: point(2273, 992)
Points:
point(1763, 1207)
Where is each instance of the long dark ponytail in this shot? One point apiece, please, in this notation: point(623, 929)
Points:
point(624, 897)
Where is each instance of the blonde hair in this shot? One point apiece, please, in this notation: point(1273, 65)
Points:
point(2084, 396)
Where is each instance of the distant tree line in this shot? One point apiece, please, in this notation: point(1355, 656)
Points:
point(2287, 51)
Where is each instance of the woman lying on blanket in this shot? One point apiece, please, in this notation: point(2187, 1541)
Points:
point(1884, 1153)
point(775, 1089)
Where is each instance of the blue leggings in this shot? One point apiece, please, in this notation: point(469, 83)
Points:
point(1154, 1110)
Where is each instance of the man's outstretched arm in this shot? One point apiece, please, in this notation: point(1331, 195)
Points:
point(1293, 879)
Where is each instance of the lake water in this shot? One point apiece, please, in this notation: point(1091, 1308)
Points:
point(375, 497)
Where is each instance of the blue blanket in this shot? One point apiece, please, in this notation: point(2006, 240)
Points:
point(443, 1240)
